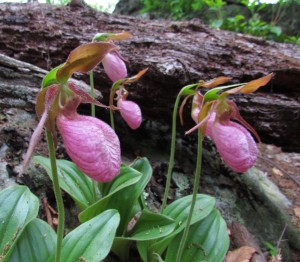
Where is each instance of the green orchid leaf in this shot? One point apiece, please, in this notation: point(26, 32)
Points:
point(158, 257)
point(151, 226)
point(83, 59)
point(120, 197)
point(36, 243)
point(178, 210)
point(50, 78)
point(92, 240)
point(121, 247)
point(18, 207)
point(143, 166)
point(126, 179)
point(72, 180)
point(207, 241)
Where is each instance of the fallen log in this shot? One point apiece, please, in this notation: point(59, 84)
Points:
point(176, 53)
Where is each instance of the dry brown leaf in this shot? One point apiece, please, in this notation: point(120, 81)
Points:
point(297, 211)
point(277, 172)
point(242, 254)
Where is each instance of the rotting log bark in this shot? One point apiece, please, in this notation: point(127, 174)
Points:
point(20, 83)
point(176, 53)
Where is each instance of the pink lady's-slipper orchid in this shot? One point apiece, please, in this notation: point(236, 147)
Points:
point(213, 114)
point(91, 144)
point(114, 66)
point(234, 143)
point(113, 63)
point(129, 110)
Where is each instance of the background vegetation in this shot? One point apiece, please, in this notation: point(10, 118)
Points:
point(245, 16)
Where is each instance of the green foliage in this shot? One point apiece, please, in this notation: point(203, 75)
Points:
point(272, 249)
point(18, 207)
point(92, 240)
point(27, 238)
point(72, 180)
point(213, 12)
point(36, 243)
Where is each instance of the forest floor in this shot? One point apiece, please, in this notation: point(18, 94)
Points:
point(284, 170)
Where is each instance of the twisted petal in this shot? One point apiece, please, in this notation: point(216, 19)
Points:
point(44, 108)
point(92, 145)
point(114, 67)
point(131, 113)
point(234, 143)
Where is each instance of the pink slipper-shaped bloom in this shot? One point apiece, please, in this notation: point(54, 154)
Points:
point(234, 143)
point(130, 112)
point(92, 145)
point(114, 66)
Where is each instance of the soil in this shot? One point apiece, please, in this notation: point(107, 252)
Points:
point(284, 170)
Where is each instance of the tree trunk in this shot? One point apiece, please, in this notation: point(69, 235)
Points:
point(176, 53)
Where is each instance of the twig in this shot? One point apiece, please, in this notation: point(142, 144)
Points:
point(282, 170)
point(280, 238)
point(47, 211)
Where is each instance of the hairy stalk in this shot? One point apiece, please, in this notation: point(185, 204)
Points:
point(172, 153)
point(112, 122)
point(92, 93)
point(184, 91)
point(111, 102)
point(195, 192)
point(58, 196)
point(93, 114)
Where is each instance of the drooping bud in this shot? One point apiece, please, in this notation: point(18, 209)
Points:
point(234, 143)
point(92, 145)
point(114, 66)
point(130, 112)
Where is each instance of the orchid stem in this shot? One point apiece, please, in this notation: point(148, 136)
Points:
point(112, 122)
point(172, 154)
point(111, 113)
point(93, 114)
point(58, 196)
point(194, 197)
point(92, 92)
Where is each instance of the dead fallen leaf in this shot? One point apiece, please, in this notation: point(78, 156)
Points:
point(297, 211)
point(242, 254)
point(277, 172)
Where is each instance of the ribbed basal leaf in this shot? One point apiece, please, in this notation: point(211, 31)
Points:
point(92, 240)
point(142, 165)
point(18, 206)
point(122, 198)
point(151, 226)
point(36, 243)
point(179, 210)
point(207, 241)
point(83, 59)
point(126, 178)
point(72, 180)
